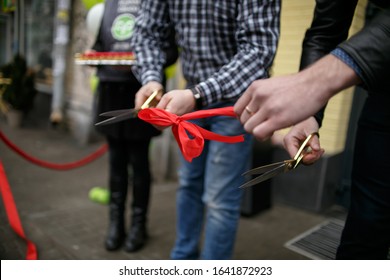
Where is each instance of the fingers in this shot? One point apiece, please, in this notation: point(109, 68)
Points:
point(294, 139)
point(163, 104)
point(298, 134)
point(257, 123)
point(177, 102)
point(242, 102)
point(250, 110)
point(145, 91)
point(312, 157)
point(141, 97)
point(246, 107)
point(315, 153)
point(263, 131)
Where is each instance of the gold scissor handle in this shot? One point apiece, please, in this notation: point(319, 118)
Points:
point(299, 155)
point(148, 101)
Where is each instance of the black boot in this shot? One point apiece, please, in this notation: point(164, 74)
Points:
point(116, 228)
point(137, 236)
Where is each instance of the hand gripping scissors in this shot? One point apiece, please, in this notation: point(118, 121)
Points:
point(271, 170)
point(121, 115)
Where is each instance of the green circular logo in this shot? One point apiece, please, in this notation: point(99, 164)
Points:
point(123, 26)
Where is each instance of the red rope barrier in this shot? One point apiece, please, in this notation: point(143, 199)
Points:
point(13, 216)
point(6, 193)
point(57, 166)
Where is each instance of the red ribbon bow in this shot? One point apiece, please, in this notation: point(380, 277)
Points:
point(189, 136)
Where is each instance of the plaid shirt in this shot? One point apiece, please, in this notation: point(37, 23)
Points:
point(225, 45)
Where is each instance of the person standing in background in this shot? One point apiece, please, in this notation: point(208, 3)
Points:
point(222, 44)
point(128, 141)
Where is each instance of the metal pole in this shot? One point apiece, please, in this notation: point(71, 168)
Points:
point(21, 36)
point(15, 40)
point(61, 39)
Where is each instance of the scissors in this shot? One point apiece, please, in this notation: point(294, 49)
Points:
point(271, 170)
point(124, 114)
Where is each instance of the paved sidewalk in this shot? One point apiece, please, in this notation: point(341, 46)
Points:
point(59, 218)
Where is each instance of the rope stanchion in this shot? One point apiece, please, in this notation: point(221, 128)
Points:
point(13, 216)
point(57, 166)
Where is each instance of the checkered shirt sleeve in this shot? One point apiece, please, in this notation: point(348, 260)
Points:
point(225, 45)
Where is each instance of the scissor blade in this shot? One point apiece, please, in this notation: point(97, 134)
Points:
point(115, 113)
point(265, 168)
point(265, 176)
point(124, 116)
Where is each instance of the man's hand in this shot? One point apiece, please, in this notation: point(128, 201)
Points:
point(146, 91)
point(178, 102)
point(298, 134)
point(272, 104)
point(275, 103)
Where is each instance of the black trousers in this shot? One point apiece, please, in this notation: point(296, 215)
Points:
point(367, 230)
point(125, 153)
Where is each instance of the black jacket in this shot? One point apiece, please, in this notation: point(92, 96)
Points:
point(370, 47)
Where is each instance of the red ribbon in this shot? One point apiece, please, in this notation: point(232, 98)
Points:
point(13, 216)
point(190, 136)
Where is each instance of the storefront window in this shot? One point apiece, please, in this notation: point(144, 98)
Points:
point(39, 29)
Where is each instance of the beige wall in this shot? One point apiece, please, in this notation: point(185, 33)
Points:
point(296, 18)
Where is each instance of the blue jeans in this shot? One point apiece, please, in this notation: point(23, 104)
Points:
point(209, 197)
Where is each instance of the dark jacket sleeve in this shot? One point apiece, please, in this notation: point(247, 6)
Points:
point(330, 26)
point(370, 49)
